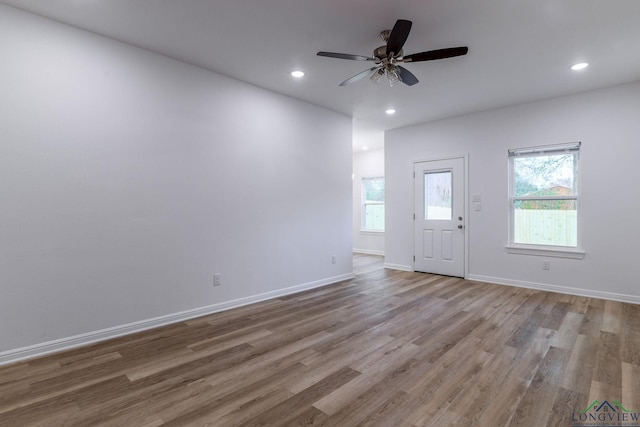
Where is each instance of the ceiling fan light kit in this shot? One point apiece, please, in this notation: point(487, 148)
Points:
point(387, 57)
point(391, 73)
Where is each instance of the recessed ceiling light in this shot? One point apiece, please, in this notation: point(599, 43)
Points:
point(365, 148)
point(579, 66)
point(390, 111)
point(297, 74)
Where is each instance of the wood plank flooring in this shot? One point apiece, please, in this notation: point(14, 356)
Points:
point(387, 348)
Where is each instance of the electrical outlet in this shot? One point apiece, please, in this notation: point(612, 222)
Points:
point(546, 265)
point(217, 279)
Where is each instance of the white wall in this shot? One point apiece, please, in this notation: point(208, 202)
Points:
point(367, 134)
point(127, 179)
point(366, 164)
point(606, 121)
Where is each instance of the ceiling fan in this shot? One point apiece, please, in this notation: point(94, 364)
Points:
point(387, 57)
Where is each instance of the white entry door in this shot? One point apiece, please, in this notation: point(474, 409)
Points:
point(439, 216)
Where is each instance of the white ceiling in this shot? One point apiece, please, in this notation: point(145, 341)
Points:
point(519, 50)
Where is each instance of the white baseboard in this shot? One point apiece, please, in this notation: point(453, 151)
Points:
point(633, 299)
point(368, 252)
point(398, 267)
point(37, 350)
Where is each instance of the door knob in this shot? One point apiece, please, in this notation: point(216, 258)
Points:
point(459, 218)
point(461, 226)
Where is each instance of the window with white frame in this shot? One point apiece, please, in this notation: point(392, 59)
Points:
point(544, 197)
point(373, 204)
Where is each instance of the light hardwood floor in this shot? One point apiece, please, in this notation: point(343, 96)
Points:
point(387, 348)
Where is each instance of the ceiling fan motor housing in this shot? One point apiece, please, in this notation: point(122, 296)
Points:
point(381, 53)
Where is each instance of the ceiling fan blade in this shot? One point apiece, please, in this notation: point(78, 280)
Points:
point(345, 56)
point(398, 36)
point(436, 54)
point(359, 76)
point(407, 76)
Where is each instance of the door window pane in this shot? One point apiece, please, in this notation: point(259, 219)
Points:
point(437, 195)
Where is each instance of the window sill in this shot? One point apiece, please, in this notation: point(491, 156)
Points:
point(548, 251)
point(372, 232)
